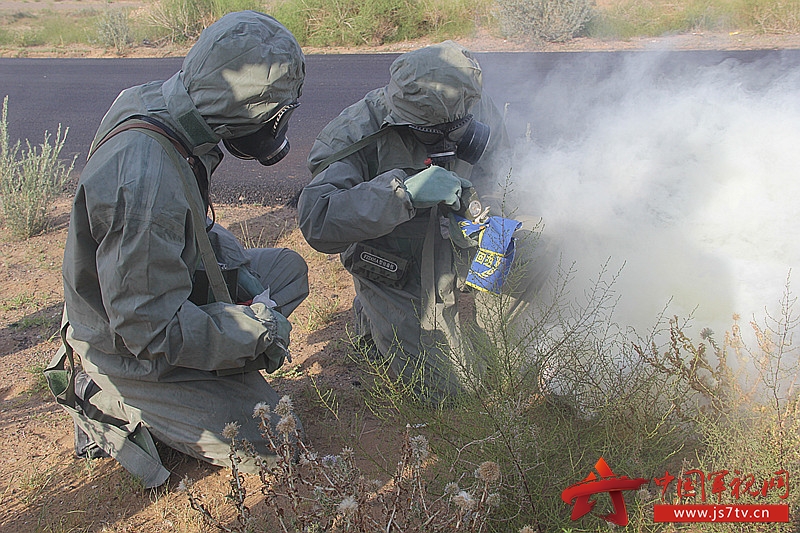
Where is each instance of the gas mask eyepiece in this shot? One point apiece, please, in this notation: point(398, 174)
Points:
point(473, 143)
point(465, 139)
point(268, 144)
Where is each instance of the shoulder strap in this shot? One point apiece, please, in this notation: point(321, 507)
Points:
point(350, 150)
point(159, 132)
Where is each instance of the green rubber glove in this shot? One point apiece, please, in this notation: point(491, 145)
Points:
point(435, 185)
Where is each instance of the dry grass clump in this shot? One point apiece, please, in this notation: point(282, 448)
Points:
point(309, 493)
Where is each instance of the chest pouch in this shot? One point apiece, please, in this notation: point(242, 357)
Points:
point(378, 265)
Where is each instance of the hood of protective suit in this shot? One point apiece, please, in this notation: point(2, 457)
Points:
point(432, 85)
point(241, 71)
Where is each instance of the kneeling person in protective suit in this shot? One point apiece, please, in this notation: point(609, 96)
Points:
point(388, 174)
point(170, 346)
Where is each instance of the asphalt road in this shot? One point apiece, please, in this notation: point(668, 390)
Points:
point(75, 93)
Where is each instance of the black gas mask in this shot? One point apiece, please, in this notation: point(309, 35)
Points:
point(465, 139)
point(269, 144)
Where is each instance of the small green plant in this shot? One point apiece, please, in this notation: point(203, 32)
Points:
point(19, 301)
point(40, 384)
point(30, 179)
point(544, 20)
point(37, 321)
point(34, 483)
point(113, 30)
point(321, 311)
point(129, 485)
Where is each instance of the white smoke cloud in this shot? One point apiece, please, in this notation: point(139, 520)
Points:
point(687, 175)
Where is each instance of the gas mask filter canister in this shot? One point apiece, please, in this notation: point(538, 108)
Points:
point(269, 143)
point(465, 139)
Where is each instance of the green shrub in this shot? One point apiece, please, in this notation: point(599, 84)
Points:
point(183, 20)
point(30, 179)
point(544, 20)
point(29, 37)
point(113, 29)
point(648, 18)
point(375, 22)
point(346, 22)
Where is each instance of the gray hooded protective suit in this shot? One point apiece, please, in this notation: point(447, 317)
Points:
point(359, 205)
point(131, 259)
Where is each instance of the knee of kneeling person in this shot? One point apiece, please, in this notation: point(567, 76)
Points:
point(294, 262)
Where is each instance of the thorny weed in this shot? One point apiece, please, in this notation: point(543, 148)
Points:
point(309, 493)
point(690, 364)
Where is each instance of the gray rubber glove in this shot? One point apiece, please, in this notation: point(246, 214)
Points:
point(276, 353)
point(435, 185)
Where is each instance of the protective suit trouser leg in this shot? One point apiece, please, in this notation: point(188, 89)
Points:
point(285, 272)
point(178, 418)
point(389, 317)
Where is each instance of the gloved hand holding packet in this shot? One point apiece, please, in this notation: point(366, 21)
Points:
point(435, 185)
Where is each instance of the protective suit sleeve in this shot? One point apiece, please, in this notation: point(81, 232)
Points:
point(340, 206)
point(145, 285)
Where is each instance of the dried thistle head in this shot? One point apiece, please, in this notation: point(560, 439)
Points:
point(451, 489)
point(419, 447)
point(287, 425)
point(231, 430)
point(488, 471)
point(262, 410)
point(464, 501)
point(347, 453)
point(284, 407)
point(308, 458)
point(527, 529)
point(186, 484)
point(348, 506)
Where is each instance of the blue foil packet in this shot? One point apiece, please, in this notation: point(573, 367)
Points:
point(492, 261)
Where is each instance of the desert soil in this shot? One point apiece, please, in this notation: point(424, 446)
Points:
point(44, 488)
